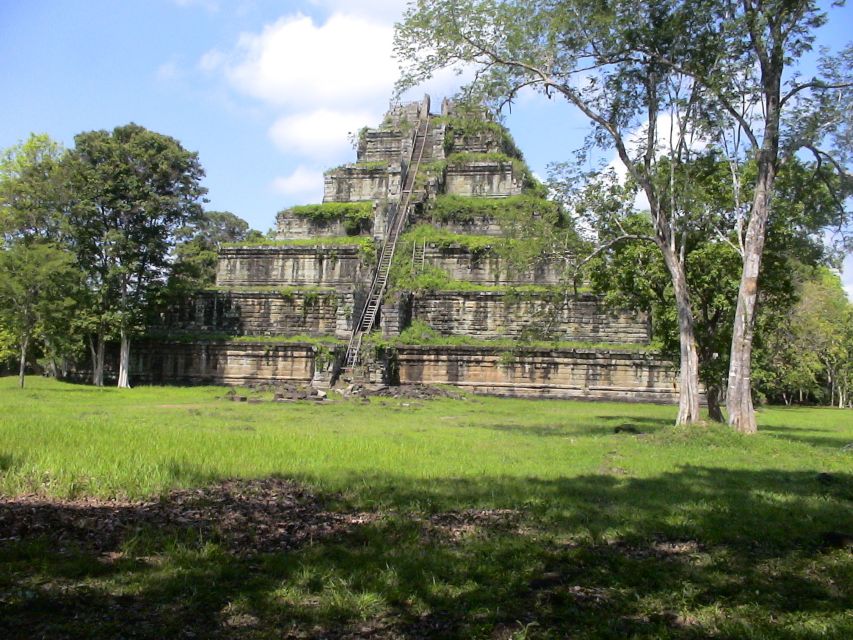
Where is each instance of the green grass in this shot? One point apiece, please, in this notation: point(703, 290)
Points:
point(669, 533)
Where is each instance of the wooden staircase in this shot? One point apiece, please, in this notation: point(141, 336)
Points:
point(399, 218)
point(418, 256)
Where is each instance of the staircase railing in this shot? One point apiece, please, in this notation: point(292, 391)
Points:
point(398, 221)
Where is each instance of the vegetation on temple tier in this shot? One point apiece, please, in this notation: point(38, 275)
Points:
point(221, 336)
point(461, 517)
point(453, 208)
point(365, 244)
point(355, 216)
point(420, 333)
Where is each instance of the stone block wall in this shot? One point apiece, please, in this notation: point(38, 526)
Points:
point(352, 183)
point(221, 362)
point(291, 227)
point(559, 373)
point(461, 264)
point(381, 145)
point(496, 314)
point(482, 179)
point(319, 266)
point(267, 313)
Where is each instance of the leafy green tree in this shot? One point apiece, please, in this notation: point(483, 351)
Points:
point(37, 281)
point(32, 195)
point(40, 284)
point(133, 190)
point(585, 53)
point(749, 87)
point(716, 69)
point(198, 247)
point(632, 274)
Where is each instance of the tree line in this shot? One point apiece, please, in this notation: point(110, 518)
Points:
point(95, 239)
point(668, 86)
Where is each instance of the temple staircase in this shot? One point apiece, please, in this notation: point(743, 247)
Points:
point(398, 221)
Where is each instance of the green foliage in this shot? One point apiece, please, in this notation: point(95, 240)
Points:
point(32, 191)
point(446, 239)
point(134, 190)
point(187, 337)
point(8, 347)
point(361, 165)
point(405, 276)
point(39, 287)
point(356, 216)
point(805, 352)
point(420, 333)
point(329, 211)
point(196, 253)
point(477, 127)
point(633, 274)
point(453, 208)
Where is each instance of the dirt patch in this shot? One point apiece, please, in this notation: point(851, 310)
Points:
point(245, 516)
point(405, 391)
point(659, 549)
point(455, 525)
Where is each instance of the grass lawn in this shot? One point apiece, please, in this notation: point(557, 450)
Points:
point(172, 512)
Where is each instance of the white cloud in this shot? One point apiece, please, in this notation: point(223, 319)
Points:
point(391, 10)
point(168, 71)
point(294, 62)
point(212, 60)
point(304, 181)
point(319, 134)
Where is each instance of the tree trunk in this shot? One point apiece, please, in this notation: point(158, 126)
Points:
point(97, 348)
point(712, 394)
point(124, 361)
point(688, 378)
point(25, 341)
point(739, 392)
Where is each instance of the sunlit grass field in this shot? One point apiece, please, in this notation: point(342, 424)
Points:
point(574, 519)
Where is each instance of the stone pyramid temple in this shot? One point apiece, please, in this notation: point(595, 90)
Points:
point(398, 278)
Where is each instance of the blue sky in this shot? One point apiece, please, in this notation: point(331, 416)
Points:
point(264, 91)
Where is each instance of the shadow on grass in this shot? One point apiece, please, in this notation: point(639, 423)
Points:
point(696, 552)
point(602, 425)
point(832, 440)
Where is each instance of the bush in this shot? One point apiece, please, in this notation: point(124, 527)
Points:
point(354, 215)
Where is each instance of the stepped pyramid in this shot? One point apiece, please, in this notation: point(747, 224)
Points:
point(396, 278)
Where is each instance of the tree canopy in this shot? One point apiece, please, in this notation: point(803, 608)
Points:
point(658, 79)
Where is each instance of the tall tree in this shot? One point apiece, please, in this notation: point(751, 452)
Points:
point(37, 280)
point(716, 69)
point(634, 275)
point(746, 93)
point(32, 196)
point(584, 53)
point(133, 189)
